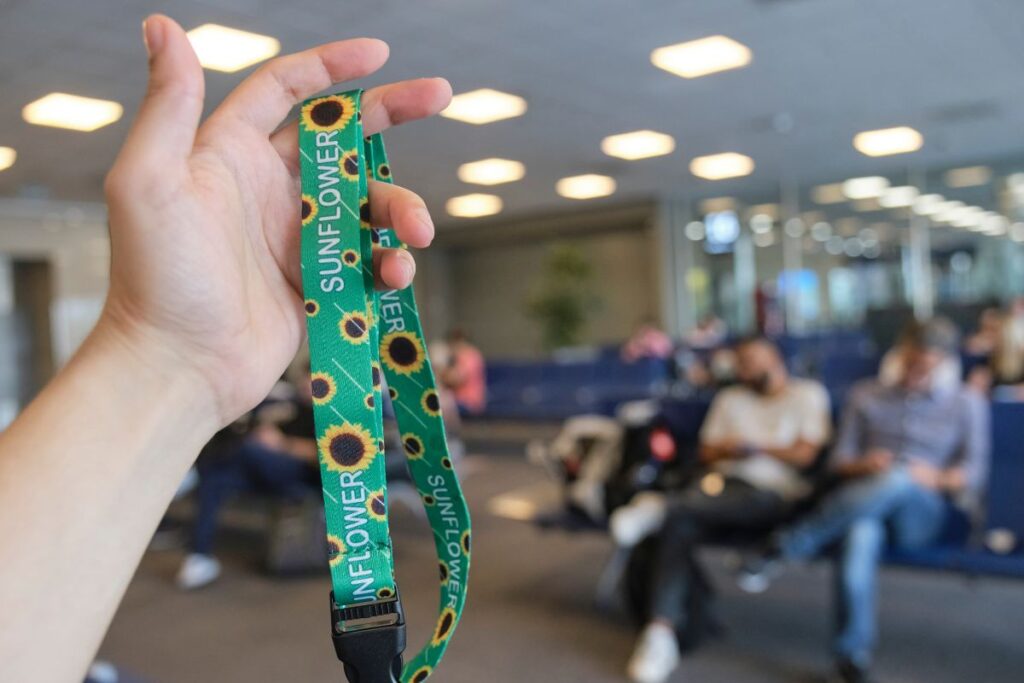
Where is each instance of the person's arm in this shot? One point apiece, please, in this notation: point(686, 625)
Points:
point(718, 440)
point(203, 314)
point(970, 473)
point(850, 455)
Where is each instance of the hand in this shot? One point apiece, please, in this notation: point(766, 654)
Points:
point(925, 475)
point(204, 220)
point(270, 437)
point(877, 460)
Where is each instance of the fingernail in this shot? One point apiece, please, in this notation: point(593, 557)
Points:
point(152, 35)
point(408, 266)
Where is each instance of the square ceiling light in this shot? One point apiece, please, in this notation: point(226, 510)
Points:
point(639, 144)
point(898, 197)
point(7, 157)
point(968, 176)
point(888, 141)
point(702, 57)
point(473, 205)
point(722, 166)
point(492, 171)
point(484, 106)
point(61, 110)
point(221, 48)
point(587, 186)
point(868, 187)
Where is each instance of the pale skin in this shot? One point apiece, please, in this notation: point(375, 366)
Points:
point(203, 314)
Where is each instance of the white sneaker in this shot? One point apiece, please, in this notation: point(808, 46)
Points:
point(656, 655)
point(198, 571)
point(632, 523)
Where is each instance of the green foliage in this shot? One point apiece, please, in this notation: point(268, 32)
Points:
point(563, 297)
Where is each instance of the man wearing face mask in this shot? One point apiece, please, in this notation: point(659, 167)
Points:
point(757, 438)
point(908, 442)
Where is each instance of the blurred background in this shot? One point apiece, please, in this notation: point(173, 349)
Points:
point(621, 190)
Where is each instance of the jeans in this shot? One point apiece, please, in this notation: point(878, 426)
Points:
point(861, 517)
point(694, 517)
point(252, 467)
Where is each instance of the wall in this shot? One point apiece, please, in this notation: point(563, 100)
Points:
point(490, 281)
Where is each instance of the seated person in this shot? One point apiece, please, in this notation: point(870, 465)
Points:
point(757, 438)
point(902, 450)
point(277, 459)
point(647, 341)
point(465, 374)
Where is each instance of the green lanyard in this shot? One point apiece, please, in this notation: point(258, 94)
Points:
point(360, 339)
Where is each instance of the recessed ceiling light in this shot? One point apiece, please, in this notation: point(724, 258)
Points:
point(868, 187)
point(702, 57)
point(722, 166)
point(640, 144)
point(896, 197)
point(226, 49)
point(484, 106)
point(7, 157)
point(886, 141)
point(828, 194)
point(764, 239)
point(715, 204)
point(947, 210)
point(586, 186)
point(474, 205)
point(492, 171)
point(928, 204)
point(62, 110)
point(969, 176)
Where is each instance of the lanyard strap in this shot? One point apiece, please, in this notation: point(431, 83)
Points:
point(359, 341)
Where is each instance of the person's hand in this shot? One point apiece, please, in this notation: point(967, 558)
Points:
point(204, 220)
point(925, 475)
point(270, 437)
point(877, 460)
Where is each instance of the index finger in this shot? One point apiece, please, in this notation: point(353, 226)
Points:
point(266, 97)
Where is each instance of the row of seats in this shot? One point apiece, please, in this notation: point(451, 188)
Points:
point(963, 546)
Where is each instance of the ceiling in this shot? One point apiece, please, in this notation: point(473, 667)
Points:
point(822, 71)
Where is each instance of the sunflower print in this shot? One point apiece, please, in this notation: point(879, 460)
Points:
point(384, 171)
point(443, 567)
point(431, 403)
point(402, 352)
point(312, 307)
point(364, 213)
point(385, 593)
point(393, 393)
point(465, 542)
point(349, 165)
point(309, 209)
point(335, 550)
point(354, 327)
point(346, 448)
point(350, 257)
point(376, 506)
point(422, 674)
point(445, 624)
point(413, 446)
point(375, 372)
point(446, 463)
point(324, 388)
point(327, 113)
point(429, 500)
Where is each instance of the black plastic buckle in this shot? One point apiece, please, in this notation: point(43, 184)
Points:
point(370, 639)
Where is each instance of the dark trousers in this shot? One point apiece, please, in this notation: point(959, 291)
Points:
point(694, 517)
point(251, 467)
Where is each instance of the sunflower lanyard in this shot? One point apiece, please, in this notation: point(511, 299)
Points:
point(352, 329)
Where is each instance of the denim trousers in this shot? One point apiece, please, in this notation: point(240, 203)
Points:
point(860, 518)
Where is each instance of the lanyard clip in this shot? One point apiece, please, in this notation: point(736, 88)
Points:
point(369, 639)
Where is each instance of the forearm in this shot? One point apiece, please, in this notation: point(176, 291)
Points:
point(800, 454)
point(79, 503)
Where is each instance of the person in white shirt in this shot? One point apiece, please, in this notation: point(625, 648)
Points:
point(756, 440)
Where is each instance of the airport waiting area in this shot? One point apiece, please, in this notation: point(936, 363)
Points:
point(677, 342)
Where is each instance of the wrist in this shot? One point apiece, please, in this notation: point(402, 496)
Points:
point(147, 376)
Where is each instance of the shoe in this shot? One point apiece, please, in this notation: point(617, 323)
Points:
point(632, 523)
point(757, 572)
point(102, 672)
point(198, 571)
point(848, 671)
point(656, 655)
